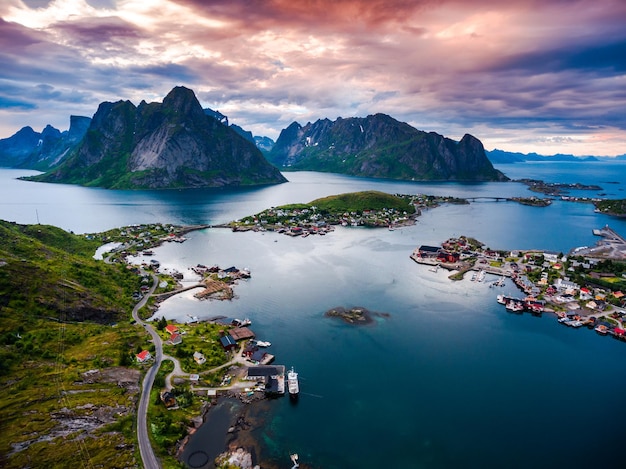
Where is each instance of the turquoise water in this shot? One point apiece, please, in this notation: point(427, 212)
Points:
point(448, 380)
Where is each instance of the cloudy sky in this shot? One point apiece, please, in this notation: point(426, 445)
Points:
point(547, 76)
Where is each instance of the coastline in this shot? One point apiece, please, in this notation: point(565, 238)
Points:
point(242, 432)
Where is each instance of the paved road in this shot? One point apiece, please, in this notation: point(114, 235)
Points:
point(150, 461)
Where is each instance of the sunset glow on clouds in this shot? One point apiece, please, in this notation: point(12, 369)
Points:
point(523, 75)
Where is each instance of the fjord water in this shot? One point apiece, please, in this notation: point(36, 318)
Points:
point(448, 380)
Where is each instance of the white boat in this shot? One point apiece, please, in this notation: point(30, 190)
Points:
point(262, 343)
point(292, 383)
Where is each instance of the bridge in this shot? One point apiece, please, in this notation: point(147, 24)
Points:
point(487, 199)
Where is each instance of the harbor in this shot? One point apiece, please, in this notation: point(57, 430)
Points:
point(545, 278)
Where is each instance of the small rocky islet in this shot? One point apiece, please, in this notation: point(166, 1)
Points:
point(355, 315)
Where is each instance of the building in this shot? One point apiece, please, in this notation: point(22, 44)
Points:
point(199, 358)
point(143, 356)
point(241, 333)
point(228, 343)
point(272, 376)
point(171, 329)
point(176, 339)
point(428, 251)
point(168, 399)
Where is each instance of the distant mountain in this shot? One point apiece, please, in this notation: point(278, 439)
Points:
point(265, 144)
point(173, 144)
point(42, 151)
point(382, 147)
point(16, 148)
point(505, 157)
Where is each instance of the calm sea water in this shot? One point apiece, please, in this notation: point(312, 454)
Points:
point(449, 379)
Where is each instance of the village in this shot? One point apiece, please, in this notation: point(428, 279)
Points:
point(304, 219)
point(308, 221)
point(583, 288)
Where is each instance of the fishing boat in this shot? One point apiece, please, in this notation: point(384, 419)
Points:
point(515, 306)
point(602, 329)
point(294, 460)
point(292, 383)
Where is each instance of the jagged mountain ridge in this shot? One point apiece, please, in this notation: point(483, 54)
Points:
point(382, 147)
point(497, 156)
point(172, 144)
point(42, 150)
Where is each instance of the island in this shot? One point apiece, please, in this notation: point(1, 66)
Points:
point(556, 188)
point(615, 207)
point(354, 315)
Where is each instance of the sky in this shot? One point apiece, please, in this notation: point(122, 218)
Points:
point(544, 76)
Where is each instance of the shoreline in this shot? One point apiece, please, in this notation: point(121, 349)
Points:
point(247, 420)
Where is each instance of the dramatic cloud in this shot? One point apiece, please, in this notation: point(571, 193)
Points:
point(524, 75)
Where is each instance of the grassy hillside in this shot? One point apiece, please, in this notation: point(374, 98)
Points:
point(66, 352)
point(359, 201)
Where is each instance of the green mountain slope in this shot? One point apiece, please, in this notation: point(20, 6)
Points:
point(382, 147)
point(172, 144)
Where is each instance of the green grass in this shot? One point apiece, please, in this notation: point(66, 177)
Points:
point(62, 313)
point(359, 201)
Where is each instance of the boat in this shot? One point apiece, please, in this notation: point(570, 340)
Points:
point(602, 329)
point(434, 268)
point(294, 460)
point(242, 322)
point(292, 383)
point(262, 343)
point(515, 306)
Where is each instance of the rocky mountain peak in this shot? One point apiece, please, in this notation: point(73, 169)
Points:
point(380, 146)
point(172, 144)
point(183, 101)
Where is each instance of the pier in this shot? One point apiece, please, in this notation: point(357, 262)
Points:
point(611, 246)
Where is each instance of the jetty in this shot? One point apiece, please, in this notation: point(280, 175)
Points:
point(611, 246)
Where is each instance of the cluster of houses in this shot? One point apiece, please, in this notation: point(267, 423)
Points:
point(539, 274)
point(231, 339)
point(306, 221)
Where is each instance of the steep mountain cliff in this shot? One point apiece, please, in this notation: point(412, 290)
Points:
point(172, 144)
point(380, 146)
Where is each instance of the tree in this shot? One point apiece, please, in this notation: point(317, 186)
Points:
point(162, 323)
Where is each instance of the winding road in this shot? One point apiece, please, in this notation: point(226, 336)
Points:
point(150, 461)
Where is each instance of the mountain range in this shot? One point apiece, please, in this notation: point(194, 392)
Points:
point(173, 144)
point(42, 150)
point(176, 144)
point(380, 146)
